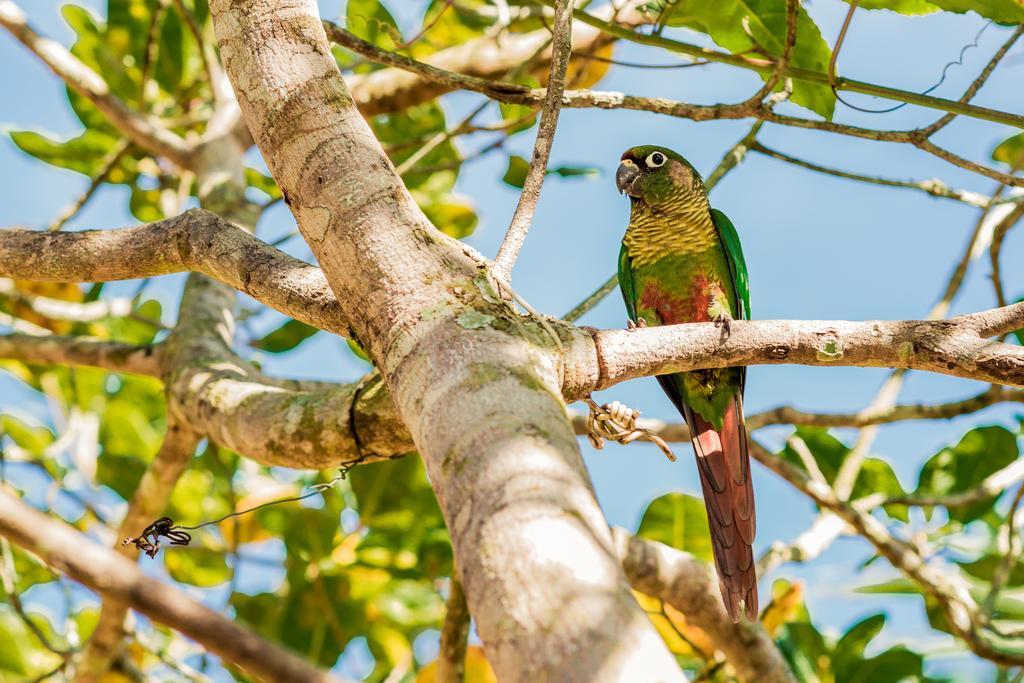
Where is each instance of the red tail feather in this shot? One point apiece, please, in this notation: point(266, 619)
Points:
point(724, 468)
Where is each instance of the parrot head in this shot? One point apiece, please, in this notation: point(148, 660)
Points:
point(653, 174)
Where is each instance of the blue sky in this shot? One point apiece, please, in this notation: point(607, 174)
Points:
point(816, 247)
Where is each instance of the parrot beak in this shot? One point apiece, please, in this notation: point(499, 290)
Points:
point(626, 176)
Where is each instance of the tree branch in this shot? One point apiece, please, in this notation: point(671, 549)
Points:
point(451, 661)
point(952, 347)
point(690, 586)
point(144, 131)
point(196, 240)
point(522, 219)
point(117, 578)
point(72, 350)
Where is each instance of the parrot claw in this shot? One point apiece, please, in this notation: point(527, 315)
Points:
point(635, 325)
point(724, 320)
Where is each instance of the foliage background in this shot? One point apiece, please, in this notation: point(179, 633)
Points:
point(817, 247)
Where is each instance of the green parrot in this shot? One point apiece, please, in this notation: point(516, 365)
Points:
point(681, 262)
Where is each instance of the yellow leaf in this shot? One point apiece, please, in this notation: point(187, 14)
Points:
point(249, 528)
point(586, 72)
point(478, 669)
point(784, 607)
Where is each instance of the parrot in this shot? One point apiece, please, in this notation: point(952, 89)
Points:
point(681, 262)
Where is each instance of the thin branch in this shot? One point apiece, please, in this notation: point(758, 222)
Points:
point(809, 545)
point(144, 131)
point(976, 84)
point(935, 188)
point(522, 219)
point(689, 585)
point(113, 576)
point(107, 165)
point(995, 249)
point(77, 351)
point(451, 661)
point(782, 64)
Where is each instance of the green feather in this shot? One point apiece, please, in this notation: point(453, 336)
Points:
point(734, 257)
point(626, 283)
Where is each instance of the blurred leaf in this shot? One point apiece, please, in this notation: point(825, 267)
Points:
point(15, 644)
point(680, 521)
point(908, 7)
point(984, 567)
point(33, 438)
point(981, 452)
point(263, 183)
point(787, 604)
point(285, 338)
point(453, 217)
point(196, 566)
point(806, 651)
point(851, 646)
point(515, 173)
point(141, 326)
point(575, 171)
point(355, 348)
point(145, 204)
point(1010, 151)
point(121, 473)
point(518, 117)
point(371, 21)
point(478, 669)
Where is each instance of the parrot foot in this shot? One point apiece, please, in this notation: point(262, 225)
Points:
point(724, 320)
point(636, 325)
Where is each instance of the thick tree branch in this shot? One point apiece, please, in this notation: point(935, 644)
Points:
point(522, 517)
point(59, 350)
point(690, 586)
point(117, 578)
point(144, 131)
point(955, 347)
point(196, 240)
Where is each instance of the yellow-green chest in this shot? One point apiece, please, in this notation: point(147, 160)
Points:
point(682, 229)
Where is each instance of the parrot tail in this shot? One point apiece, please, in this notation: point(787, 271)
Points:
point(724, 468)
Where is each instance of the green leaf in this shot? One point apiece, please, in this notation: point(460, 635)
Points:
point(725, 22)
point(680, 521)
point(285, 338)
point(1010, 151)
point(981, 452)
point(197, 566)
point(876, 475)
point(984, 567)
point(515, 174)
point(1003, 11)
point(263, 183)
point(453, 217)
point(83, 153)
point(518, 117)
point(806, 651)
point(15, 644)
point(908, 7)
point(33, 438)
point(575, 171)
point(851, 646)
point(371, 21)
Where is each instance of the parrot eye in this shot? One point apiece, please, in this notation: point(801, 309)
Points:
point(655, 159)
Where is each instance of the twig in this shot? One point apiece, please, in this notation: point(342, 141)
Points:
point(993, 485)
point(451, 661)
point(935, 188)
point(107, 165)
point(7, 579)
point(522, 219)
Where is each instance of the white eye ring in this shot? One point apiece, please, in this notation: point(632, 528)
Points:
point(655, 159)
